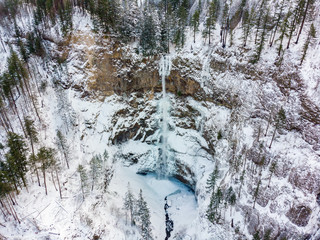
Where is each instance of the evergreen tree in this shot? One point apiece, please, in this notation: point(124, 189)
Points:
point(180, 18)
point(278, 16)
point(148, 40)
point(16, 158)
point(256, 193)
point(283, 33)
point(307, 7)
point(211, 182)
point(129, 205)
point(83, 179)
point(261, 40)
point(260, 17)
point(46, 158)
point(272, 170)
point(247, 24)
point(225, 24)
point(311, 35)
point(63, 146)
point(256, 236)
point(143, 216)
point(95, 169)
point(215, 200)
point(195, 23)
point(31, 131)
point(211, 20)
point(33, 162)
point(65, 14)
point(280, 121)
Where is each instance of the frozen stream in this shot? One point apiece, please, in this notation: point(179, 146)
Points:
point(183, 205)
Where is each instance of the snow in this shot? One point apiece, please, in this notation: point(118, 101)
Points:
point(89, 127)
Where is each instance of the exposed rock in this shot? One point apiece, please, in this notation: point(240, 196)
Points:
point(306, 178)
point(299, 215)
point(185, 175)
point(252, 218)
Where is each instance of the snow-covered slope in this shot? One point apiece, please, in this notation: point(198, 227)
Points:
point(222, 113)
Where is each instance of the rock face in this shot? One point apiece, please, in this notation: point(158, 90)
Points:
point(112, 70)
point(299, 215)
point(112, 73)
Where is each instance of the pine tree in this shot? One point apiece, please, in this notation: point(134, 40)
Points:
point(247, 24)
point(283, 33)
point(256, 236)
point(46, 157)
point(272, 170)
point(33, 162)
point(225, 24)
point(212, 18)
point(211, 182)
point(311, 35)
point(148, 40)
point(129, 205)
point(31, 131)
point(65, 14)
point(95, 169)
point(279, 15)
point(16, 158)
point(260, 18)
point(262, 39)
point(280, 121)
point(308, 4)
point(83, 179)
point(212, 211)
point(143, 216)
point(63, 146)
point(195, 23)
point(256, 193)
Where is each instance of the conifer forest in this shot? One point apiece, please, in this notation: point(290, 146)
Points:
point(160, 119)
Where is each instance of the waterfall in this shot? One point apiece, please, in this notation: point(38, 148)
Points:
point(164, 71)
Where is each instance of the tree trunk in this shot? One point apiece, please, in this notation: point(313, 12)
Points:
point(269, 120)
point(274, 134)
point(44, 179)
point(24, 182)
point(275, 31)
point(13, 211)
point(291, 32)
point(4, 206)
point(304, 18)
point(58, 183)
point(269, 179)
point(54, 183)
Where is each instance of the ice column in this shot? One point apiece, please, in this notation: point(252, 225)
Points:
point(164, 71)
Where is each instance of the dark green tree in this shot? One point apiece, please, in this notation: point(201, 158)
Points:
point(16, 158)
point(129, 205)
point(280, 121)
point(310, 37)
point(262, 39)
point(306, 10)
point(83, 179)
point(211, 181)
point(247, 24)
point(95, 169)
point(148, 40)
point(143, 216)
point(195, 23)
point(63, 146)
point(46, 158)
point(211, 20)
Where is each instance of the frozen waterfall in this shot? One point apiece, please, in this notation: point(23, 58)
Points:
point(164, 71)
